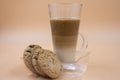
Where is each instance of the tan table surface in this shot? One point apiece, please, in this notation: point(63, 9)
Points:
point(104, 63)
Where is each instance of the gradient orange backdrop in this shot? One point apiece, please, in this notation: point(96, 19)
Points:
point(24, 22)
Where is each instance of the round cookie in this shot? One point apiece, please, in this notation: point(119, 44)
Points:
point(35, 60)
point(27, 56)
point(49, 63)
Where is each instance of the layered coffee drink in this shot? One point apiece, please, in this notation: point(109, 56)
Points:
point(64, 35)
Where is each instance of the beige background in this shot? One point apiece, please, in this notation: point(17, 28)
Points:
point(24, 22)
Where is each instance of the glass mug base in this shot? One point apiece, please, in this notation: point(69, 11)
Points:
point(73, 67)
point(76, 70)
point(80, 64)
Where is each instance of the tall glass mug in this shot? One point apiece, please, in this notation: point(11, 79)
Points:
point(67, 41)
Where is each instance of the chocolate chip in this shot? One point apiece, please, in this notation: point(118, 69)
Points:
point(35, 57)
point(29, 51)
point(32, 46)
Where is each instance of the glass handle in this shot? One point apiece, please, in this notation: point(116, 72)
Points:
point(81, 48)
point(84, 43)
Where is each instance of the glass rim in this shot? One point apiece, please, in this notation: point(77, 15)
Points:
point(65, 4)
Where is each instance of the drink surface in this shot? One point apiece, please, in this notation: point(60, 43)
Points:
point(64, 35)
